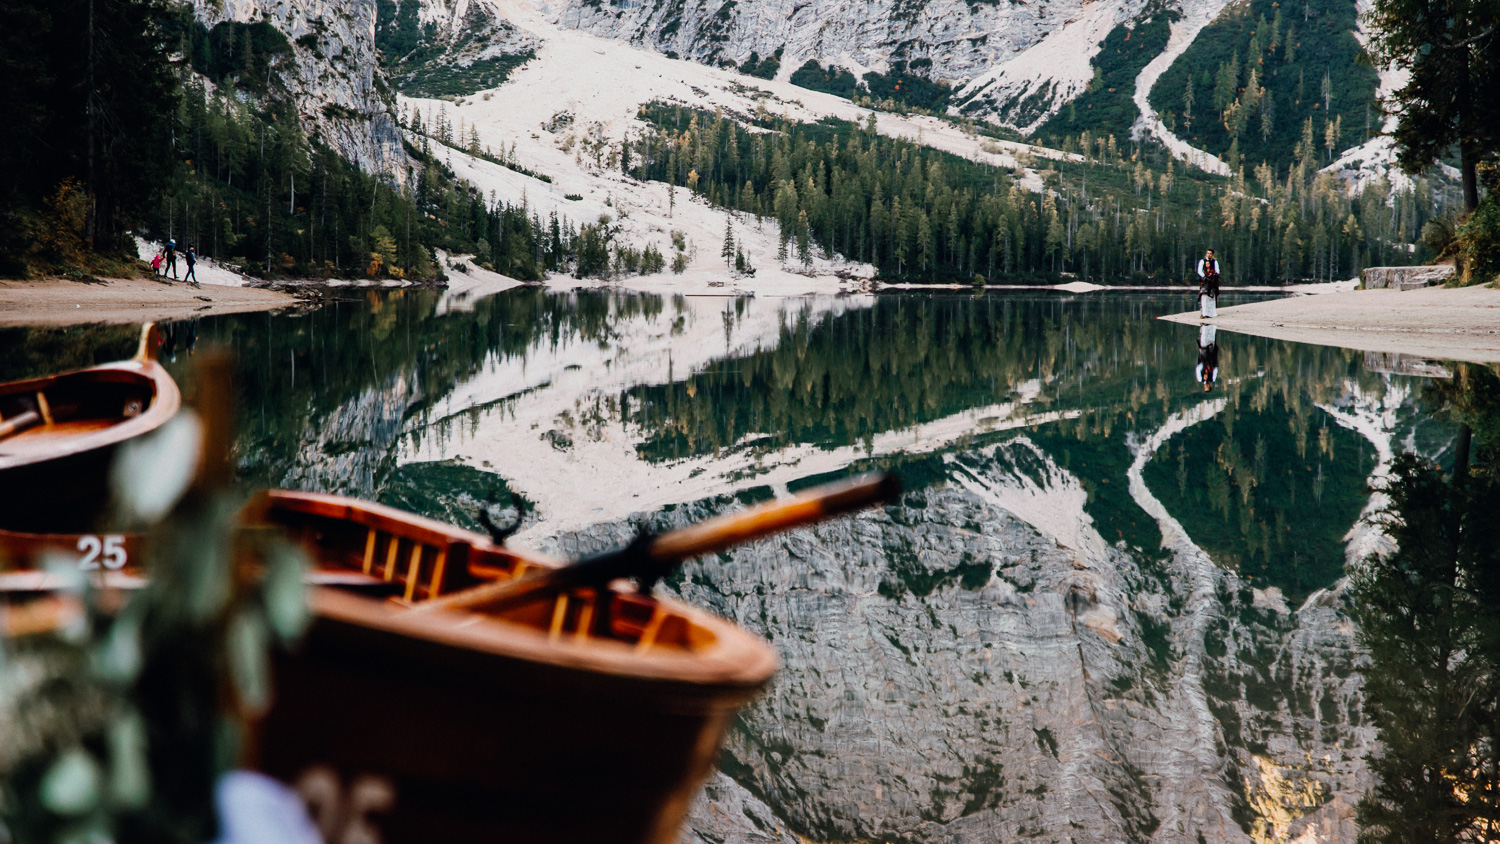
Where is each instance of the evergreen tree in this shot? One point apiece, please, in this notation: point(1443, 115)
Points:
point(90, 93)
point(1452, 50)
point(727, 250)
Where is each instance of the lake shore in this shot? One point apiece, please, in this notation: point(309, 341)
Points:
point(59, 301)
point(1449, 324)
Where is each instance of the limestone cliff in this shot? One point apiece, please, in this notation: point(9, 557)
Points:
point(334, 76)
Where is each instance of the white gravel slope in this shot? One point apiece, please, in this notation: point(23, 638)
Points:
point(1196, 14)
point(601, 85)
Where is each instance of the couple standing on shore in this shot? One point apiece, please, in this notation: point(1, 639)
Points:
point(1208, 285)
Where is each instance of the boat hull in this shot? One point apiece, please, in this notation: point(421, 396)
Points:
point(473, 745)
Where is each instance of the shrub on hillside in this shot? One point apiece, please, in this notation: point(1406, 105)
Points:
point(1477, 243)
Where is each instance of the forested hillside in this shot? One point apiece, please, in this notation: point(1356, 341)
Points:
point(84, 90)
point(191, 134)
point(1115, 214)
point(1265, 77)
point(1107, 104)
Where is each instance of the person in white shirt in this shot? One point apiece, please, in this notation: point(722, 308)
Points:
point(1208, 285)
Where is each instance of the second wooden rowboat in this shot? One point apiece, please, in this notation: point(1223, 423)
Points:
point(59, 434)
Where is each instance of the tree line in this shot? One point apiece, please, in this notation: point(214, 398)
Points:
point(83, 87)
point(133, 117)
point(1110, 213)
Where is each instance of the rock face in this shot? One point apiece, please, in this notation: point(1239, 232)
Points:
point(1405, 278)
point(963, 40)
point(977, 664)
point(336, 80)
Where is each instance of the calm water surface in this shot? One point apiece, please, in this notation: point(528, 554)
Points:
point(1109, 605)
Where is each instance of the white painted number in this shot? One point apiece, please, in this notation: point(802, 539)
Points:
point(90, 546)
point(114, 552)
point(111, 548)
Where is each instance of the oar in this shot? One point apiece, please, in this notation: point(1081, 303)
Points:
point(650, 557)
point(17, 424)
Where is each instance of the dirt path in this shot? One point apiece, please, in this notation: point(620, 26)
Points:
point(56, 301)
point(1456, 324)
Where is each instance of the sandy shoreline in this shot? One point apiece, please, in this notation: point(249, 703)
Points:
point(1449, 324)
point(59, 302)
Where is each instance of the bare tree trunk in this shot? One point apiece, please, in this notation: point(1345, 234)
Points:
point(1461, 456)
point(92, 224)
point(1468, 159)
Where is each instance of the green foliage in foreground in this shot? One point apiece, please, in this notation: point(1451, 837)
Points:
point(117, 722)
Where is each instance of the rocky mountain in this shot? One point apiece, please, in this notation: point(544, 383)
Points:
point(1022, 64)
point(332, 73)
point(1046, 69)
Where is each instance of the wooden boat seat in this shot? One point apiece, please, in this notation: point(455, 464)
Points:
point(41, 438)
point(427, 557)
point(430, 559)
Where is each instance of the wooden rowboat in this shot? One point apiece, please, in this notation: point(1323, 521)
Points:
point(59, 434)
point(592, 716)
point(444, 692)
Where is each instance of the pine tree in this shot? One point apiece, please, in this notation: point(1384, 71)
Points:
point(727, 250)
point(1452, 50)
point(804, 240)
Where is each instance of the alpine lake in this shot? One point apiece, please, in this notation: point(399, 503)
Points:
point(1111, 604)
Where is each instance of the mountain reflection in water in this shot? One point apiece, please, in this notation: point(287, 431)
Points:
point(1111, 605)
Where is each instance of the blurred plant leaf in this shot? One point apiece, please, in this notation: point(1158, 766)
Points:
point(71, 786)
point(248, 638)
point(118, 657)
point(152, 472)
point(129, 773)
point(285, 594)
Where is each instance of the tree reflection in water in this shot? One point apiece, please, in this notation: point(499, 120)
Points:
point(1429, 614)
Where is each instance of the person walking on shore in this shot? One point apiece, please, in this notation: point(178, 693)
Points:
point(170, 250)
point(156, 263)
point(1208, 286)
point(192, 263)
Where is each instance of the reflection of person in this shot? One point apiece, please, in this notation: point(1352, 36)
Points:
point(1207, 371)
point(1208, 285)
point(169, 341)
